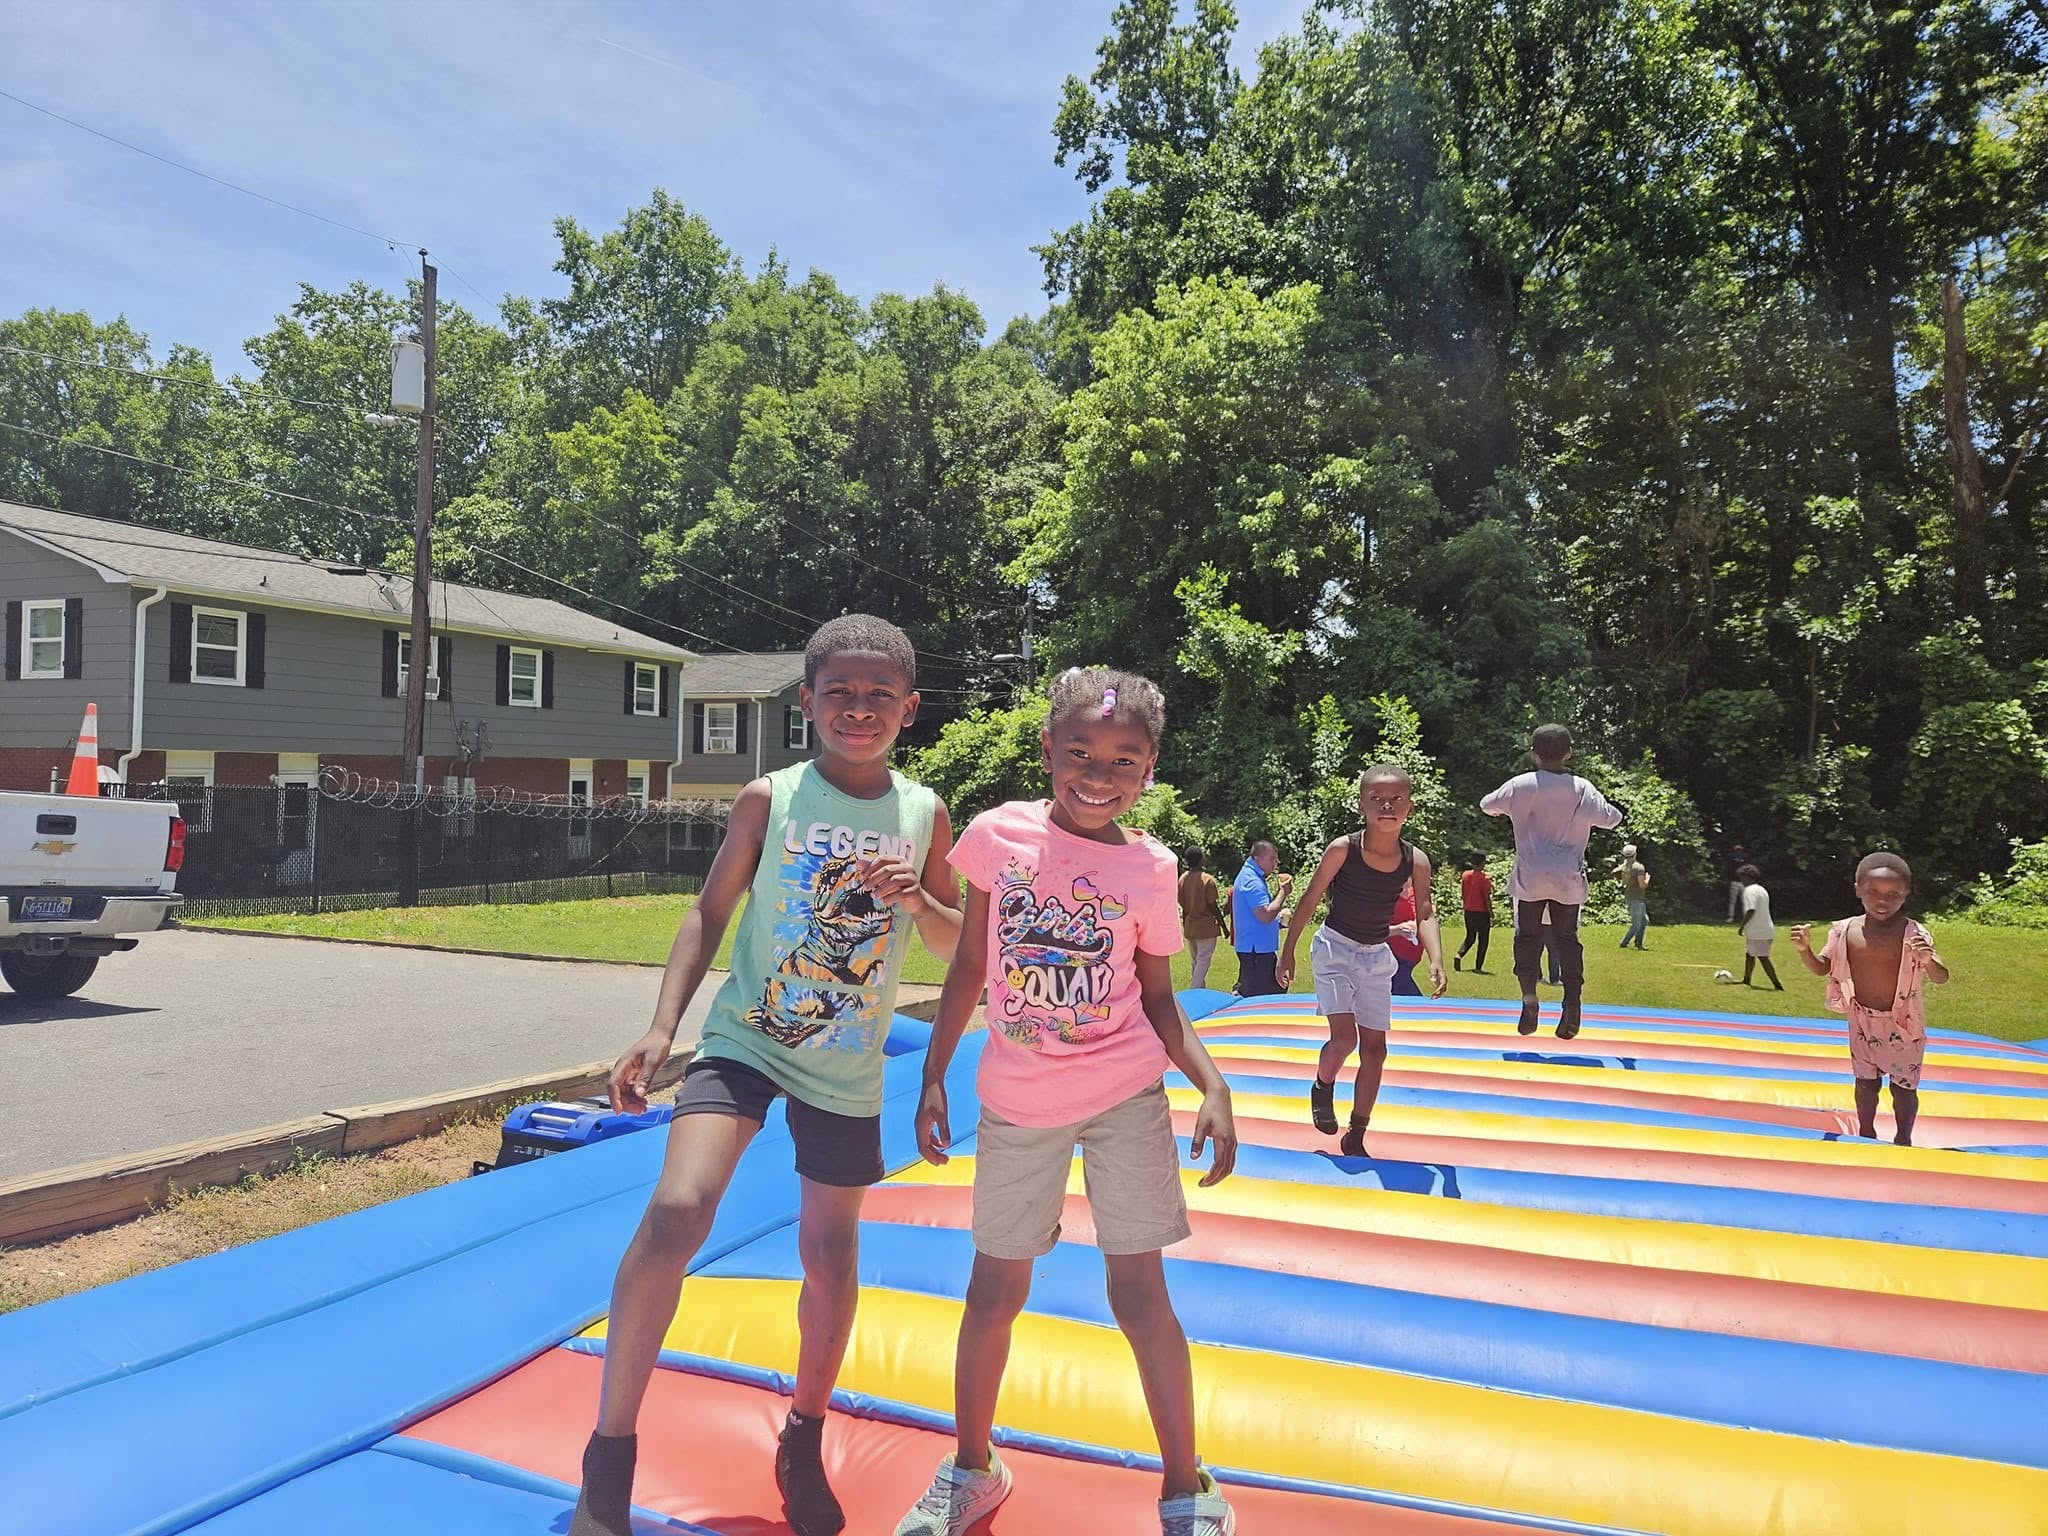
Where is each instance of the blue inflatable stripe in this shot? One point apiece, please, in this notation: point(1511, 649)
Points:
point(1509, 1104)
point(906, 1035)
point(1877, 1221)
point(468, 1464)
point(2019, 1151)
point(1416, 1051)
point(492, 1304)
point(1795, 1389)
point(892, 1411)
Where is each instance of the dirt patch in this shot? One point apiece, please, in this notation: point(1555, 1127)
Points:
point(210, 1220)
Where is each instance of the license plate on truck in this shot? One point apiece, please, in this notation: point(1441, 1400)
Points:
point(45, 909)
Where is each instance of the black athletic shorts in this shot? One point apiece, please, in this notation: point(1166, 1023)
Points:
point(841, 1150)
point(1255, 976)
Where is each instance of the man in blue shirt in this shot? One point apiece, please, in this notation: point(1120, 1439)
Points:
point(1258, 900)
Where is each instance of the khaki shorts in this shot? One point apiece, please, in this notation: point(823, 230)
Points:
point(1129, 1159)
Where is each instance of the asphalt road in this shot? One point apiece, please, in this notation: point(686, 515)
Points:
point(204, 1034)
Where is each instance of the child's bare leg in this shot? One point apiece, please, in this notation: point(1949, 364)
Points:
point(1336, 1051)
point(702, 1151)
point(1866, 1106)
point(828, 1241)
point(1771, 971)
point(1138, 1298)
point(1372, 1062)
point(1748, 968)
point(1905, 1110)
point(996, 1293)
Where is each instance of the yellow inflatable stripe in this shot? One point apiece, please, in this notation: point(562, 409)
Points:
point(1642, 1138)
point(1789, 1092)
point(1845, 1263)
point(1368, 1428)
point(1601, 1037)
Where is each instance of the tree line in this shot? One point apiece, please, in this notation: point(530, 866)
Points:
point(1455, 367)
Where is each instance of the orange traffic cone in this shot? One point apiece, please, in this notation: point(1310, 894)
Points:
point(85, 761)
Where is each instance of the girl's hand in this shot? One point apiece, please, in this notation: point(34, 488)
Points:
point(1439, 984)
point(1283, 970)
point(632, 1072)
point(895, 882)
point(1214, 1121)
point(934, 1133)
point(1405, 930)
point(1802, 937)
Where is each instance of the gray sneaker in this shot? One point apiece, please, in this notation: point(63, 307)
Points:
point(1202, 1513)
point(959, 1498)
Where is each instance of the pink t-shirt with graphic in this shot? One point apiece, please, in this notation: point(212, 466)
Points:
point(1068, 1036)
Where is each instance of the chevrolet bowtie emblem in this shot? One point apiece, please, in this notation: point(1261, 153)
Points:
point(53, 846)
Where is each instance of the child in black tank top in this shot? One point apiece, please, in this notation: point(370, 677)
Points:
point(1364, 875)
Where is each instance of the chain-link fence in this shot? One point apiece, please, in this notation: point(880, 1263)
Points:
point(303, 848)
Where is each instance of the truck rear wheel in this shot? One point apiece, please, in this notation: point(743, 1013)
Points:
point(47, 975)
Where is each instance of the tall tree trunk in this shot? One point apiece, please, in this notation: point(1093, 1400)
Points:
point(1873, 348)
point(1971, 525)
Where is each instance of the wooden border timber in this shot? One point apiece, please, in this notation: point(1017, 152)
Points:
point(87, 1196)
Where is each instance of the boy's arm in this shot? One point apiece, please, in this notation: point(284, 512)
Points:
point(1802, 940)
point(1599, 811)
point(1502, 801)
point(1305, 910)
point(928, 896)
point(1269, 910)
point(1184, 1048)
point(697, 940)
point(1427, 929)
point(1922, 944)
point(965, 978)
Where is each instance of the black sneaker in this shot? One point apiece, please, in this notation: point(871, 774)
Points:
point(1353, 1144)
point(1568, 1019)
point(1322, 1107)
point(1526, 1025)
point(1457, 962)
point(807, 1500)
point(604, 1504)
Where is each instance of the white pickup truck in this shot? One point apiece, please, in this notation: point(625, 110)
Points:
point(76, 876)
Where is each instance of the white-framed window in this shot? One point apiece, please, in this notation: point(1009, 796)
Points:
point(523, 687)
point(721, 729)
point(220, 647)
point(188, 779)
point(796, 730)
point(42, 639)
point(433, 666)
point(646, 688)
point(636, 781)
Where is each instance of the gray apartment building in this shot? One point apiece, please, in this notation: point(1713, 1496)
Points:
point(220, 664)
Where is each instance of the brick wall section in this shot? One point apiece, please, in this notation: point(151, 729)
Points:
point(657, 781)
point(244, 769)
point(608, 778)
point(29, 767)
point(535, 775)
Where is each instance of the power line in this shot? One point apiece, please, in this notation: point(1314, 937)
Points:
point(219, 181)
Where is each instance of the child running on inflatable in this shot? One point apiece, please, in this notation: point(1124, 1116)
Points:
point(1553, 812)
point(839, 858)
point(1071, 920)
point(1875, 965)
point(1365, 873)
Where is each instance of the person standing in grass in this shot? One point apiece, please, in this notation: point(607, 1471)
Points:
point(1352, 959)
point(1635, 890)
point(1553, 812)
point(1755, 925)
point(1877, 966)
point(1258, 900)
point(1475, 893)
point(1201, 916)
point(839, 859)
point(1071, 927)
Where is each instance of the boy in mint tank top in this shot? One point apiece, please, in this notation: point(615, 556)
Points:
point(839, 858)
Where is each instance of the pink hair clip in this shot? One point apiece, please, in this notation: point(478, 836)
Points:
point(1108, 702)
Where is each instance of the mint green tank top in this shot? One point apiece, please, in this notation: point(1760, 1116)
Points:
point(816, 959)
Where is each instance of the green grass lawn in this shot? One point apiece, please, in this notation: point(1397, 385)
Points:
point(2001, 985)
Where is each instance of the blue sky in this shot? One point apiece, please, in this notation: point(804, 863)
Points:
point(893, 143)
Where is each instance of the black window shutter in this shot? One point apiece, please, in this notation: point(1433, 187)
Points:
point(446, 647)
point(74, 637)
point(390, 663)
point(181, 642)
point(664, 691)
point(697, 728)
point(13, 642)
point(741, 710)
point(504, 674)
point(547, 679)
point(631, 668)
point(252, 672)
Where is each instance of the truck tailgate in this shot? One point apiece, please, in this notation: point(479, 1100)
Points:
point(73, 841)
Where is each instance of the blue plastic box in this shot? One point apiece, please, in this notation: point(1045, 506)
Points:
point(541, 1130)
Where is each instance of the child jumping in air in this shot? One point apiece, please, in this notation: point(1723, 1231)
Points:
point(1364, 873)
point(839, 858)
point(1071, 920)
point(1755, 925)
point(1553, 812)
point(1875, 965)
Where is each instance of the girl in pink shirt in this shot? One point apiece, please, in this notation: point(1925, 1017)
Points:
point(1071, 922)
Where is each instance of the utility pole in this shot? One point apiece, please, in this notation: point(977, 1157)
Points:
point(415, 751)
